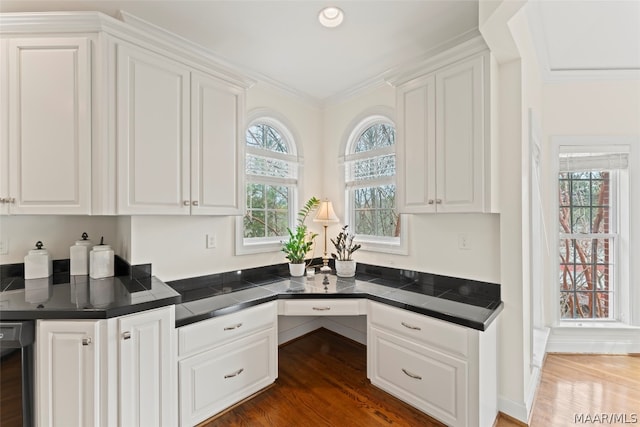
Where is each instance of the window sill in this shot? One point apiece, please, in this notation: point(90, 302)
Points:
point(613, 325)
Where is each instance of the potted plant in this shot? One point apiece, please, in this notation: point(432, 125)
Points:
point(345, 265)
point(300, 240)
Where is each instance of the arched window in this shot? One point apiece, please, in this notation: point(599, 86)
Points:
point(271, 178)
point(370, 185)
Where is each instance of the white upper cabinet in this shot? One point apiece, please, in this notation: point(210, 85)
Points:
point(46, 154)
point(217, 170)
point(178, 129)
point(444, 140)
point(153, 133)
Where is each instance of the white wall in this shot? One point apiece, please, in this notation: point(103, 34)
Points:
point(58, 233)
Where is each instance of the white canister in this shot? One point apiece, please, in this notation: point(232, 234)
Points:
point(37, 263)
point(101, 261)
point(79, 256)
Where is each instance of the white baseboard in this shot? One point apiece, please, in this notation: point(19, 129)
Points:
point(517, 410)
point(533, 388)
point(298, 331)
point(601, 340)
point(344, 330)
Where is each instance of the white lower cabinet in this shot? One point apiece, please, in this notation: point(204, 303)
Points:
point(146, 369)
point(431, 381)
point(67, 373)
point(115, 372)
point(445, 370)
point(241, 359)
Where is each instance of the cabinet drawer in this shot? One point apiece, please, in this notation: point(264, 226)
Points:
point(322, 307)
point(219, 330)
point(433, 332)
point(216, 379)
point(431, 381)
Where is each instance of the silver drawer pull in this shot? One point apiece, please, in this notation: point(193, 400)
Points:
point(186, 203)
point(231, 328)
point(321, 308)
point(126, 335)
point(415, 328)
point(235, 374)
point(430, 201)
point(86, 341)
point(409, 374)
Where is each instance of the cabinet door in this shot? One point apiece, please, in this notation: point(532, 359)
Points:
point(416, 146)
point(67, 373)
point(50, 126)
point(4, 127)
point(460, 137)
point(153, 133)
point(216, 164)
point(147, 363)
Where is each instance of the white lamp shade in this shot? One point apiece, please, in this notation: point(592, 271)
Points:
point(325, 213)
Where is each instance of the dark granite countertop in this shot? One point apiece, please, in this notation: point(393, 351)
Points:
point(464, 302)
point(80, 297)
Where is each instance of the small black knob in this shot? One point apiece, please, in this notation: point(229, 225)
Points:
point(85, 236)
point(39, 244)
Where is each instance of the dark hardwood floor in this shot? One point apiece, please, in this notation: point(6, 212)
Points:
point(322, 381)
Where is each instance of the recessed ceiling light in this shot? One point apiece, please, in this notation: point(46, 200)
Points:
point(331, 16)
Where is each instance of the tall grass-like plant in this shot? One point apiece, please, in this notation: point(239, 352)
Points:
point(300, 239)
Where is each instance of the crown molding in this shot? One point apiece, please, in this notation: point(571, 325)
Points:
point(459, 47)
point(129, 28)
point(178, 45)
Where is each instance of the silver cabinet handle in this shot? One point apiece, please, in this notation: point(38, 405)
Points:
point(86, 341)
point(126, 335)
point(438, 201)
point(430, 201)
point(231, 328)
point(195, 203)
point(186, 203)
point(3, 200)
point(409, 374)
point(415, 328)
point(234, 374)
point(322, 308)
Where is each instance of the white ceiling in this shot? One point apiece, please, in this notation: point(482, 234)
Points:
point(282, 41)
point(587, 38)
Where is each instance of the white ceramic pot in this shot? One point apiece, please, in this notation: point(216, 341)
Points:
point(296, 270)
point(345, 268)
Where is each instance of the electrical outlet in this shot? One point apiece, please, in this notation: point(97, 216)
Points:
point(211, 241)
point(4, 247)
point(463, 241)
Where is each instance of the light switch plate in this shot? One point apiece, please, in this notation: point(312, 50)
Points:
point(211, 241)
point(463, 241)
point(4, 247)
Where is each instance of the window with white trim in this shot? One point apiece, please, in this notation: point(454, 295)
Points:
point(370, 185)
point(271, 178)
point(593, 225)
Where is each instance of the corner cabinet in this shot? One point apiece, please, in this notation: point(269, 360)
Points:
point(444, 146)
point(177, 140)
point(447, 371)
point(45, 144)
point(107, 372)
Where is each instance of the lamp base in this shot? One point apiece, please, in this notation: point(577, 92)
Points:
point(325, 269)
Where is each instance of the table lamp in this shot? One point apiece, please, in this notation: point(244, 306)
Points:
point(325, 215)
